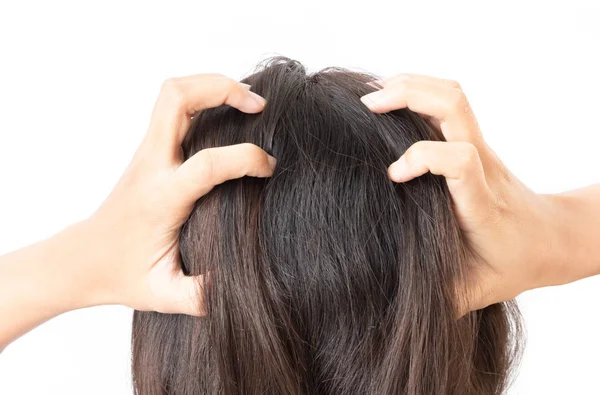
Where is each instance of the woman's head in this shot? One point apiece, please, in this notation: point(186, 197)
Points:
point(326, 278)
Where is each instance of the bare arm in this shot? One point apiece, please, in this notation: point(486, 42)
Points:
point(579, 213)
point(127, 252)
point(36, 284)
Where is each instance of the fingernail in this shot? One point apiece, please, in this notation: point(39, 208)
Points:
point(398, 171)
point(246, 86)
point(272, 162)
point(372, 99)
point(258, 99)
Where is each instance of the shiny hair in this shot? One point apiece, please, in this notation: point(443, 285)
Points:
point(326, 278)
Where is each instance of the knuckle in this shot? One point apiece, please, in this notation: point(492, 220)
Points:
point(227, 82)
point(454, 85)
point(415, 154)
point(403, 83)
point(169, 84)
point(404, 77)
point(206, 168)
point(456, 103)
point(400, 82)
point(457, 100)
point(171, 88)
point(217, 76)
point(468, 156)
point(252, 150)
point(253, 154)
point(470, 151)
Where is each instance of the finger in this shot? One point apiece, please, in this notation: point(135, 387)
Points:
point(448, 105)
point(180, 98)
point(380, 84)
point(419, 77)
point(213, 166)
point(434, 122)
point(458, 162)
point(186, 295)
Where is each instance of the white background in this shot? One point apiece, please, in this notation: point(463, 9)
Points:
point(78, 81)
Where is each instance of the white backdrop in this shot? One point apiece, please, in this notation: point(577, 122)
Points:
point(78, 81)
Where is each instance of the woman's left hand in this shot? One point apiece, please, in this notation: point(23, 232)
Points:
point(514, 240)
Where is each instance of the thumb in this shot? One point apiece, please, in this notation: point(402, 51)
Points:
point(185, 295)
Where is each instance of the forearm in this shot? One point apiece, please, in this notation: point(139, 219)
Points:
point(579, 220)
point(38, 282)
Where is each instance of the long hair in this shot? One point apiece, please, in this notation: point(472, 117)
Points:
point(326, 278)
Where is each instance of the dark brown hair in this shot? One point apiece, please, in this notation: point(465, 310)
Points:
point(326, 278)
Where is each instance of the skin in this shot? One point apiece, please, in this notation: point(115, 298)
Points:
point(518, 240)
point(126, 252)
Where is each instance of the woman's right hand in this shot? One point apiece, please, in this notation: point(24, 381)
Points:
point(512, 231)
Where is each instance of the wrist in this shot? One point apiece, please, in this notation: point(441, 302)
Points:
point(543, 243)
point(70, 258)
point(42, 281)
point(564, 261)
